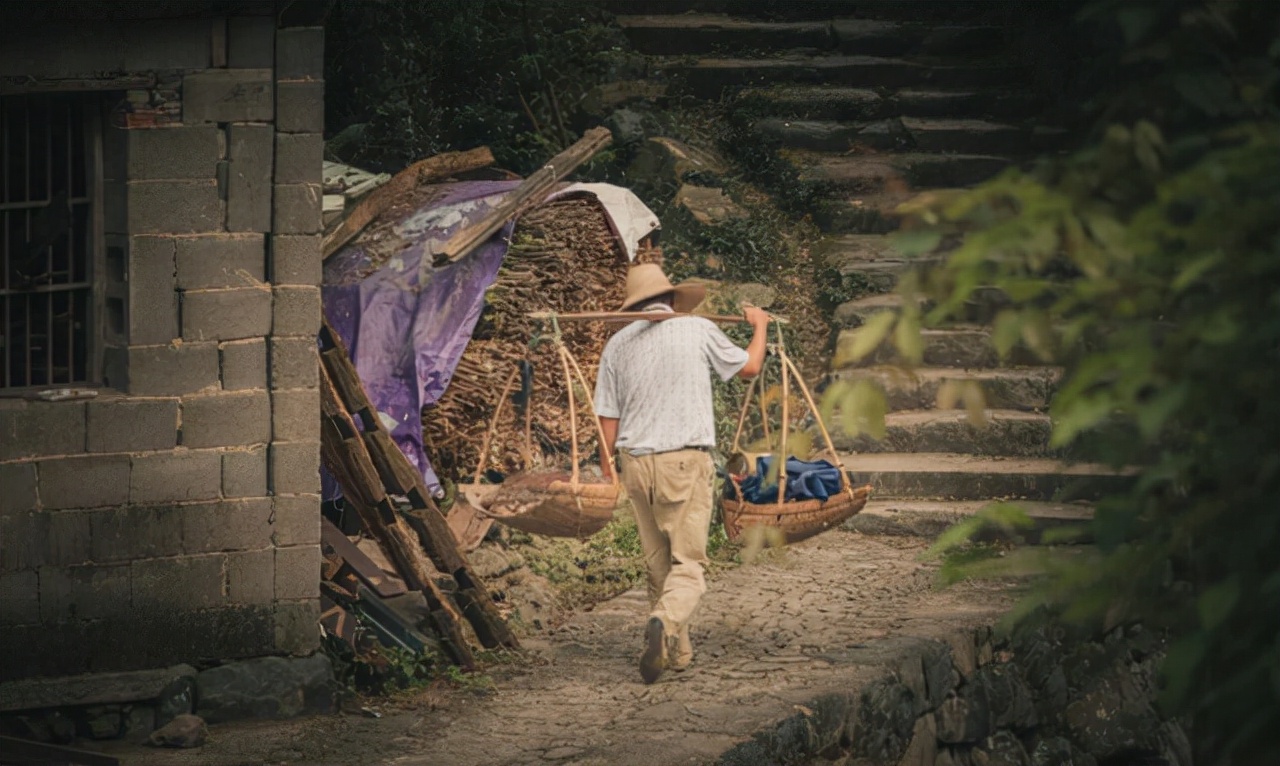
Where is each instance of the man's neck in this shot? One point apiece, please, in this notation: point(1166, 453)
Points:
point(658, 307)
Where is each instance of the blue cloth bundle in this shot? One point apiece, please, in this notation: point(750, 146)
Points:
point(806, 480)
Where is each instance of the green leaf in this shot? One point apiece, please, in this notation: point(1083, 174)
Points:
point(1217, 602)
point(915, 241)
point(907, 337)
point(1006, 331)
point(1192, 271)
point(855, 345)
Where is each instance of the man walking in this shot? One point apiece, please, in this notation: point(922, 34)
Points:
point(653, 397)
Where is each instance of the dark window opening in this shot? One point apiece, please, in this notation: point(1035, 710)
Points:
point(46, 240)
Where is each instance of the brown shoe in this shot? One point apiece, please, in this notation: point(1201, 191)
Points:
point(654, 659)
point(681, 652)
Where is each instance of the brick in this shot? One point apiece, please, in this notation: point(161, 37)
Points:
point(20, 598)
point(295, 415)
point(173, 207)
point(183, 584)
point(297, 520)
point(152, 306)
point(172, 152)
point(171, 370)
point(296, 259)
point(132, 425)
point(244, 364)
point(295, 467)
point(251, 577)
point(135, 532)
point(251, 42)
point(230, 314)
point(300, 106)
point(298, 572)
point(24, 538)
point(169, 477)
point(299, 158)
point(69, 537)
point(295, 363)
point(220, 260)
point(17, 489)
point(228, 525)
point(295, 627)
point(297, 209)
point(296, 311)
point(37, 429)
point(228, 95)
point(226, 419)
point(244, 473)
point(300, 53)
point(84, 482)
point(83, 593)
point(250, 150)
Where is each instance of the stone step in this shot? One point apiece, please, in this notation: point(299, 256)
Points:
point(693, 33)
point(871, 257)
point(969, 347)
point(710, 77)
point(878, 37)
point(1006, 388)
point(966, 477)
point(836, 102)
point(950, 11)
point(930, 518)
point(1012, 433)
point(897, 134)
point(982, 306)
point(872, 173)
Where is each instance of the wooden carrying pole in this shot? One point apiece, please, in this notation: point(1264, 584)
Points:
point(532, 191)
point(635, 316)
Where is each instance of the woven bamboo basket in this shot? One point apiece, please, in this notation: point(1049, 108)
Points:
point(797, 519)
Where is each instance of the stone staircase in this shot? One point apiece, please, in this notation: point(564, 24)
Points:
point(871, 103)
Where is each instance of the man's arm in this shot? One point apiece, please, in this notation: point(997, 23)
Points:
point(759, 319)
point(610, 428)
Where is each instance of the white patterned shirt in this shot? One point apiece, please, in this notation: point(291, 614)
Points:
point(655, 379)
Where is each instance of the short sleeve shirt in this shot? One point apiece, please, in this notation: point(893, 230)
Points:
point(655, 379)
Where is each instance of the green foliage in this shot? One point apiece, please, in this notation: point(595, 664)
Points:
point(1148, 265)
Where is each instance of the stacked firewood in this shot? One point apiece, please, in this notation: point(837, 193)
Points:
point(563, 258)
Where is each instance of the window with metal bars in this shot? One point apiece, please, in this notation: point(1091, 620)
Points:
point(46, 252)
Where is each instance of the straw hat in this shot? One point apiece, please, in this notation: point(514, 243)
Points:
point(646, 281)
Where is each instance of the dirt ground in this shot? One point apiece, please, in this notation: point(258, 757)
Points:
point(771, 635)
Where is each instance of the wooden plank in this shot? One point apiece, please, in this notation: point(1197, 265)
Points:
point(381, 199)
point(370, 573)
point(398, 476)
point(531, 192)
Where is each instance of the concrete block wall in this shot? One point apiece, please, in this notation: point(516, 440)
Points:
point(175, 517)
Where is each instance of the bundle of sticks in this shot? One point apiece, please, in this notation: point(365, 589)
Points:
point(563, 258)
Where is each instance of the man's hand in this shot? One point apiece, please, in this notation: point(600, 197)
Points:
point(757, 317)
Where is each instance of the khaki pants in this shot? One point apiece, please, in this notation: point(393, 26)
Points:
point(671, 493)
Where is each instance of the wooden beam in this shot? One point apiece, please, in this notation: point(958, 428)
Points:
point(531, 192)
point(635, 316)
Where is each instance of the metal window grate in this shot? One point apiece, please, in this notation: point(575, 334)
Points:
point(46, 218)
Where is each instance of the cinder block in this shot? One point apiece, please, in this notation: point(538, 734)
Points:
point(69, 538)
point(244, 472)
point(152, 308)
point(295, 415)
point(84, 593)
point(228, 95)
point(171, 370)
point(172, 152)
point(231, 314)
point(251, 42)
point(300, 53)
point(84, 482)
point(299, 158)
point(132, 425)
point(300, 106)
point(226, 419)
point(250, 149)
point(169, 477)
point(296, 259)
point(295, 626)
point(296, 311)
point(298, 572)
point(135, 532)
point(229, 525)
point(298, 208)
point(297, 520)
point(221, 260)
point(184, 584)
point(174, 207)
point(251, 577)
point(17, 489)
point(37, 429)
point(295, 468)
point(20, 598)
point(244, 364)
point(295, 363)
point(23, 539)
